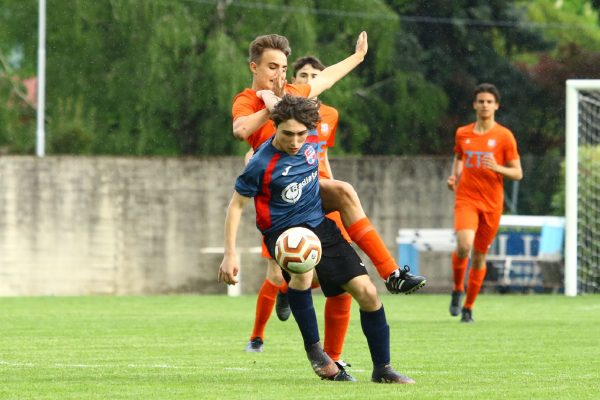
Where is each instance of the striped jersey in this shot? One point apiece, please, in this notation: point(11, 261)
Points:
point(285, 187)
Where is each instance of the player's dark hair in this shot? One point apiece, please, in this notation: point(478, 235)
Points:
point(302, 61)
point(303, 110)
point(262, 43)
point(487, 88)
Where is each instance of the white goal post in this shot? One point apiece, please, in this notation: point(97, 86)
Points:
point(577, 91)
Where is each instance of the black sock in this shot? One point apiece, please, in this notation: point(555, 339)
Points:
point(302, 308)
point(377, 331)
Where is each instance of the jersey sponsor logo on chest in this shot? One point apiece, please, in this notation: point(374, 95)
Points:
point(473, 159)
point(292, 192)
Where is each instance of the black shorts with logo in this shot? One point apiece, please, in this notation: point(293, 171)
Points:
point(339, 262)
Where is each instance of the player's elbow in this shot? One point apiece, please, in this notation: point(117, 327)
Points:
point(519, 175)
point(239, 132)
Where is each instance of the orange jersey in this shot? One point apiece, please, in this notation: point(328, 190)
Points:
point(247, 103)
point(326, 130)
point(478, 185)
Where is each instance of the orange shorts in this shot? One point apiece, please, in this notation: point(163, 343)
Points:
point(485, 224)
point(265, 252)
point(334, 216)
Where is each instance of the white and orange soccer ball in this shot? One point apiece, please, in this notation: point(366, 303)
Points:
point(298, 250)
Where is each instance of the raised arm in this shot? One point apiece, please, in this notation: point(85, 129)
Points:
point(230, 268)
point(335, 72)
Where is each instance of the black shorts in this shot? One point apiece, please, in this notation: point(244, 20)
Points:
point(339, 262)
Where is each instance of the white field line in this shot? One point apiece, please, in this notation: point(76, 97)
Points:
point(108, 366)
point(4, 363)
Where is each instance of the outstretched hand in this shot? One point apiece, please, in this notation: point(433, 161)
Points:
point(362, 45)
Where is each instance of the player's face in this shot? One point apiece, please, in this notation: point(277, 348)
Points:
point(272, 65)
point(485, 105)
point(290, 136)
point(306, 74)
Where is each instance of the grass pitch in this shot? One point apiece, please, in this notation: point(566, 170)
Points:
point(191, 347)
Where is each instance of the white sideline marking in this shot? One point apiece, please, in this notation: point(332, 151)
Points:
point(13, 364)
point(112, 366)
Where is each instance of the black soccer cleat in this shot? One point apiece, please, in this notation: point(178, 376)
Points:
point(455, 303)
point(343, 375)
point(467, 315)
point(402, 281)
point(386, 374)
point(282, 307)
point(321, 363)
point(255, 345)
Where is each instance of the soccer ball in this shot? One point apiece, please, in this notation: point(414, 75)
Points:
point(298, 250)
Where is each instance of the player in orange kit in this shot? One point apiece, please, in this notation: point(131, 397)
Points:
point(268, 64)
point(485, 154)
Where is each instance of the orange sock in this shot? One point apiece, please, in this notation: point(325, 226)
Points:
point(283, 287)
point(459, 269)
point(337, 318)
point(476, 277)
point(264, 307)
point(365, 236)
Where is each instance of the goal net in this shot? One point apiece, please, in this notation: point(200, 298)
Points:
point(582, 245)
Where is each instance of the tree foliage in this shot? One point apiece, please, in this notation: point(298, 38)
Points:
point(157, 77)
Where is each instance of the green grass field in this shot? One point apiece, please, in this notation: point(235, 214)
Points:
point(191, 347)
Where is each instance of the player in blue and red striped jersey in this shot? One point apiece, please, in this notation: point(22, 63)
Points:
point(268, 64)
point(282, 177)
point(337, 308)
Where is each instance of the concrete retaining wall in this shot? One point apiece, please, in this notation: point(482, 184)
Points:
point(105, 225)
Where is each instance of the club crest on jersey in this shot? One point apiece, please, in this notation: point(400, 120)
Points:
point(491, 142)
point(325, 127)
point(311, 155)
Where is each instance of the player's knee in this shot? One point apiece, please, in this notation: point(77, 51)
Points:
point(478, 261)
point(274, 273)
point(277, 280)
point(366, 296)
point(346, 194)
point(463, 250)
point(301, 281)
point(338, 195)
